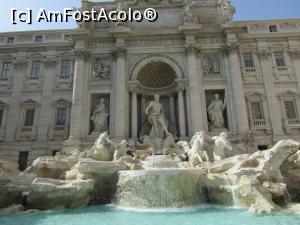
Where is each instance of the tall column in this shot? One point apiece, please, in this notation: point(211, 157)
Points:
point(194, 90)
point(119, 104)
point(181, 108)
point(239, 100)
point(78, 98)
point(172, 109)
point(143, 103)
point(46, 113)
point(133, 113)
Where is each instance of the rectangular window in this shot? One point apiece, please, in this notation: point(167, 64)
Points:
point(279, 58)
point(29, 117)
point(10, 40)
point(248, 60)
point(6, 69)
point(38, 38)
point(66, 67)
point(1, 116)
point(290, 109)
point(244, 29)
point(257, 110)
point(35, 68)
point(61, 114)
point(273, 28)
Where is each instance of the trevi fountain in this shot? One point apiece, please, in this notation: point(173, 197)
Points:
point(157, 179)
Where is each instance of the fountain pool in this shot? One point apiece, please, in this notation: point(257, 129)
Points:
point(111, 215)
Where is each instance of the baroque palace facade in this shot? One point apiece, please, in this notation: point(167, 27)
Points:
point(52, 81)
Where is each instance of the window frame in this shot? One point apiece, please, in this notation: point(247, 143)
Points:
point(57, 116)
point(247, 60)
point(273, 28)
point(262, 113)
point(10, 40)
point(5, 72)
point(35, 72)
point(63, 70)
point(38, 38)
point(295, 111)
point(279, 62)
point(25, 117)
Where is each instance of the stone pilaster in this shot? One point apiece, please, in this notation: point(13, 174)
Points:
point(19, 70)
point(273, 103)
point(45, 113)
point(295, 59)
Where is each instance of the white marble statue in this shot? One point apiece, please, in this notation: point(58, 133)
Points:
point(155, 113)
point(221, 143)
point(201, 144)
point(188, 14)
point(121, 150)
point(99, 117)
point(215, 112)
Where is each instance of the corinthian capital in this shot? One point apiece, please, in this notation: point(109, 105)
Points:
point(81, 54)
point(133, 86)
point(231, 47)
point(181, 84)
point(119, 52)
point(190, 48)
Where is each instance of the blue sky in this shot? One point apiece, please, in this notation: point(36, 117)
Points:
point(246, 10)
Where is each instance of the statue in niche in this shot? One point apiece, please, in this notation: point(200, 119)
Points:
point(100, 70)
point(156, 118)
point(188, 12)
point(100, 116)
point(215, 111)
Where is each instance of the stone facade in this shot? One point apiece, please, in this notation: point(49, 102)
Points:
point(52, 81)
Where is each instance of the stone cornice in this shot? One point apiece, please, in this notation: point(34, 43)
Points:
point(20, 63)
point(264, 54)
point(50, 62)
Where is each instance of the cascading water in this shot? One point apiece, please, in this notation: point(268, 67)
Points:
point(231, 184)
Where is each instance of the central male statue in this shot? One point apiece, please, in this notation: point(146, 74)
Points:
point(157, 119)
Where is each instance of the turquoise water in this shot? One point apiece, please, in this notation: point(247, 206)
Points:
point(110, 215)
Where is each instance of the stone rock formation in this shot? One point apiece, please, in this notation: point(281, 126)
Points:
point(46, 193)
point(189, 173)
